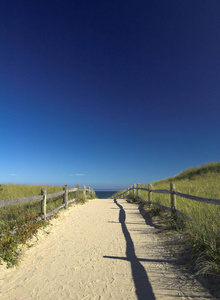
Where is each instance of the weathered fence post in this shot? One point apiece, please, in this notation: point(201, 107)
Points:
point(134, 189)
point(130, 192)
point(138, 191)
point(44, 203)
point(173, 198)
point(65, 196)
point(150, 194)
point(84, 190)
point(77, 192)
point(89, 190)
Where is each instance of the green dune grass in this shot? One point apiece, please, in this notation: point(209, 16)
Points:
point(18, 223)
point(202, 233)
point(10, 191)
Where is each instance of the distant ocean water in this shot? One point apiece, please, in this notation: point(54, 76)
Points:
point(104, 194)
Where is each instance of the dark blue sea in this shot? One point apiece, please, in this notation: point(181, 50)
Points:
point(104, 194)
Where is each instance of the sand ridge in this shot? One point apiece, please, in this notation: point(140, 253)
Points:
point(101, 250)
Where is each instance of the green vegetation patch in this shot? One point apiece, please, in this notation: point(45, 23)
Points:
point(20, 222)
point(202, 228)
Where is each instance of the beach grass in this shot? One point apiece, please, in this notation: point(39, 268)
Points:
point(202, 228)
point(18, 223)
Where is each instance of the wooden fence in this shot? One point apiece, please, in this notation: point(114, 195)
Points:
point(173, 193)
point(43, 198)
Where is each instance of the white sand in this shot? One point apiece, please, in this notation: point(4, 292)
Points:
point(89, 254)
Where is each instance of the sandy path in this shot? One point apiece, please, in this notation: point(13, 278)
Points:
point(101, 250)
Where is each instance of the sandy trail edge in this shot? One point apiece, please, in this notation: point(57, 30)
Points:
point(101, 250)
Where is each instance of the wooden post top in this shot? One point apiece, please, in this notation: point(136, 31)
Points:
point(43, 191)
point(172, 186)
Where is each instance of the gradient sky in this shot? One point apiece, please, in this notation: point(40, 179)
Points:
point(108, 93)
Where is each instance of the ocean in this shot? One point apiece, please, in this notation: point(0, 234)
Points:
point(104, 194)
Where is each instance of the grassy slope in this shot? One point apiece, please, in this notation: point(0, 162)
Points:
point(10, 191)
point(203, 181)
point(10, 216)
point(21, 218)
point(15, 213)
point(203, 232)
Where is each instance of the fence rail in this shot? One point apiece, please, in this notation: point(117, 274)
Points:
point(43, 198)
point(173, 193)
point(8, 202)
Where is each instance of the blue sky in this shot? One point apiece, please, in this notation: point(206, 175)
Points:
point(108, 93)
